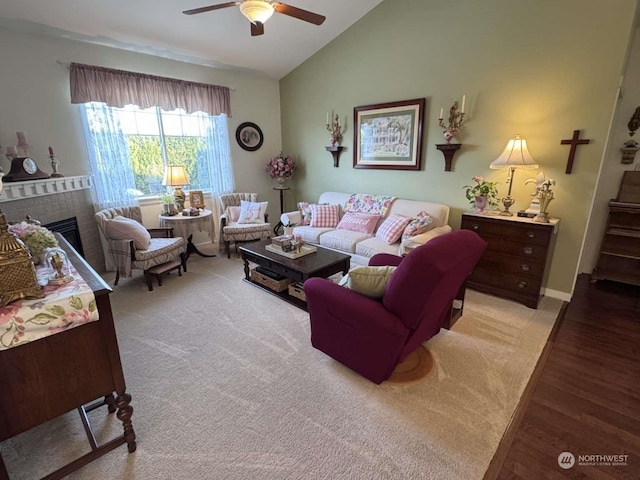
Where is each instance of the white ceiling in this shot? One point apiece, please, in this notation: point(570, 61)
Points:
point(218, 38)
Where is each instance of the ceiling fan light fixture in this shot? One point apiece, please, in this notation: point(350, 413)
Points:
point(256, 10)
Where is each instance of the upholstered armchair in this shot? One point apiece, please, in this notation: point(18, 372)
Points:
point(233, 231)
point(373, 336)
point(131, 248)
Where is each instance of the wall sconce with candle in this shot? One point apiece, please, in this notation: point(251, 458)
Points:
point(455, 122)
point(336, 131)
point(631, 146)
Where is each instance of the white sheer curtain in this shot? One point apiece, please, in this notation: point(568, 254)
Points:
point(214, 162)
point(109, 157)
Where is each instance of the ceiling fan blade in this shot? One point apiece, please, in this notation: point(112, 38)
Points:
point(299, 13)
point(257, 28)
point(209, 8)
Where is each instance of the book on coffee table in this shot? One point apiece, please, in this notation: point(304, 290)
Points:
point(305, 250)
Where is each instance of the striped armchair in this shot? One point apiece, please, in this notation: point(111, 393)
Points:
point(237, 233)
point(162, 249)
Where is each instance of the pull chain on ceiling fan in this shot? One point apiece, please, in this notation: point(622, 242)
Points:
point(259, 11)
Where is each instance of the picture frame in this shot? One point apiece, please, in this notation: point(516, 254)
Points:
point(249, 136)
point(388, 135)
point(196, 199)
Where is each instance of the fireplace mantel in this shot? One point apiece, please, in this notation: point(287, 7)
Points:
point(36, 188)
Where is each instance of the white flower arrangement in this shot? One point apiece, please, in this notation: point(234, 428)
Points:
point(35, 237)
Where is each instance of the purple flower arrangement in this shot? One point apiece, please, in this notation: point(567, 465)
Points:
point(281, 166)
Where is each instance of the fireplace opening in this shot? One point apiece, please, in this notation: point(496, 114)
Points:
point(68, 228)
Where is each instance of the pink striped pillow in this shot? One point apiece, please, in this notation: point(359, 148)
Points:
point(392, 228)
point(324, 216)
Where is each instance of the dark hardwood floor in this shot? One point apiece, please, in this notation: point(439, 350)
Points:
point(586, 399)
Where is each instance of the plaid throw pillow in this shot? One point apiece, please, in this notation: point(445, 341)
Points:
point(324, 216)
point(391, 229)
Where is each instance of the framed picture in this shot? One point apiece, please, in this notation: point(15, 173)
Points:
point(388, 135)
point(249, 136)
point(196, 199)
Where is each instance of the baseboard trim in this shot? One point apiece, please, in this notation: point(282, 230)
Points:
point(510, 433)
point(564, 296)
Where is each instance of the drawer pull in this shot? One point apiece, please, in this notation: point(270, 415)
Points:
point(527, 250)
point(522, 284)
point(524, 267)
point(531, 235)
point(475, 226)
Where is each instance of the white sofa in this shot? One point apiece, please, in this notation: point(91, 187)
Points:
point(361, 246)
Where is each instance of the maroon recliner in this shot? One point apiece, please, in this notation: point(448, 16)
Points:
point(371, 337)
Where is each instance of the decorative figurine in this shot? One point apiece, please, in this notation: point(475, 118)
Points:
point(545, 194)
point(57, 259)
point(55, 164)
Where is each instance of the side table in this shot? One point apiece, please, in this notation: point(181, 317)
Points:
point(281, 190)
point(184, 226)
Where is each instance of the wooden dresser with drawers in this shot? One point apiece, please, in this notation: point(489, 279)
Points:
point(514, 264)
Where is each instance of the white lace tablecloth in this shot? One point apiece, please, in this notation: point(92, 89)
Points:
point(183, 225)
point(63, 307)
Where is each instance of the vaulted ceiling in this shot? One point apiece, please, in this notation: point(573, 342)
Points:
point(218, 38)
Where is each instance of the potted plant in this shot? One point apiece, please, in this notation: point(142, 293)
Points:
point(481, 194)
point(168, 207)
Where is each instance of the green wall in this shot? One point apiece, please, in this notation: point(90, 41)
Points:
point(541, 68)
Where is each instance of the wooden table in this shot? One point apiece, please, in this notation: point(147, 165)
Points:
point(46, 378)
point(184, 226)
point(323, 263)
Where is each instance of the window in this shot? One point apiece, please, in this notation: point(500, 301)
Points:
point(129, 148)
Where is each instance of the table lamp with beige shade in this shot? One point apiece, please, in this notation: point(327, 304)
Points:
point(175, 176)
point(515, 155)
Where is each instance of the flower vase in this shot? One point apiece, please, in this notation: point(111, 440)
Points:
point(281, 181)
point(480, 203)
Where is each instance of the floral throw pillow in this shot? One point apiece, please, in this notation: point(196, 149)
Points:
point(423, 222)
point(359, 222)
point(392, 228)
point(305, 212)
point(324, 216)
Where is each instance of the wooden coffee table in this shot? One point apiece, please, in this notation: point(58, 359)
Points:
point(322, 263)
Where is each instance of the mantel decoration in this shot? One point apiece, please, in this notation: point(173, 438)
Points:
point(281, 167)
point(55, 164)
point(388, 135)
point(482, 194)
point(631, 146)
point(455, 122)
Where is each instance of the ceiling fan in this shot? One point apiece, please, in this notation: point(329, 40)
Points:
point(259, 11)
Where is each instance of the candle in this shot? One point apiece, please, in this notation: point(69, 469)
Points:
point(12, 150)
point(327, 118)
point(464, 97)
point(441, 113)
point(50, 151)
point(22, 139)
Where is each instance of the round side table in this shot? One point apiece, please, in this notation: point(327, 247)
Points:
point(184, 226)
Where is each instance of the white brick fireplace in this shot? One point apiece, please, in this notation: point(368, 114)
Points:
point(53, 200)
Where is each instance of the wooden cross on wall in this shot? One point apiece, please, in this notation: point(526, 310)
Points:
point(574, 142)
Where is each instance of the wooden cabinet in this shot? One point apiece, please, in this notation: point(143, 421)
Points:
point(619, 257)
point(516, 258)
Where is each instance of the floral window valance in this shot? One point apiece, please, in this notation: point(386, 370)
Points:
point(118, 88)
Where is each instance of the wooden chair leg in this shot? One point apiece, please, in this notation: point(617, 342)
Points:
point(227, 248)
point(117, 277)
point(149, 280)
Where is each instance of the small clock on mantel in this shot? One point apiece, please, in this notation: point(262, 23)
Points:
point(24, 169)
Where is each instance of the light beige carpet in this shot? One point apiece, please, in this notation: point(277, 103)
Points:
point(226, 385)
